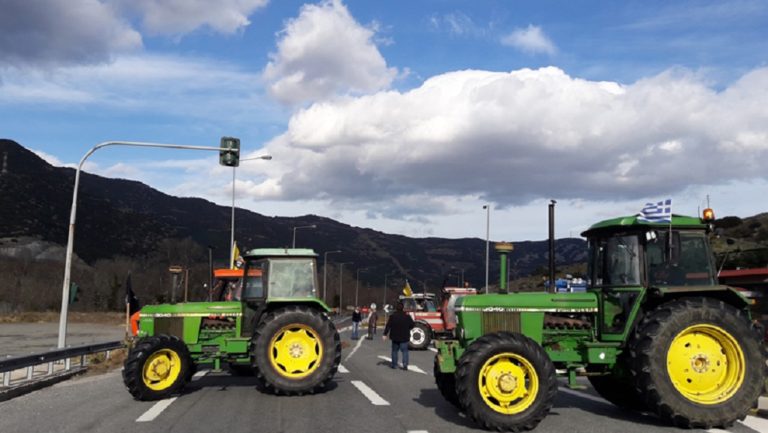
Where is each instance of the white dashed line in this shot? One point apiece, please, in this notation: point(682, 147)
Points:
point(417, 431)
point(582, 395)
point(357, 346)
point(343, 369)
point(433, 349)
point(370, 394)
point(155, 410)
point(199, 375)
point(412, 368)
point(755, 423)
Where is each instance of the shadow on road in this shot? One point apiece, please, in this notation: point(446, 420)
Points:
point(431, 398)
point(565, 400)
point(225, 381)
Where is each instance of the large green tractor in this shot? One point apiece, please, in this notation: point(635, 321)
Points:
point(653, 332)
point(273, 326)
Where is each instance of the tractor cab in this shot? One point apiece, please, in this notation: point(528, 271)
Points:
point(631, 261)
point(279, 275)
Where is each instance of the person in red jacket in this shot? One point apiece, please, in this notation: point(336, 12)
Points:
point(398, 329)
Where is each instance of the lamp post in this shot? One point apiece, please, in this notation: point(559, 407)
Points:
point(293, 244)
point(341, 285)
point(487, 208)
point(73, 217)
point(325, 270)
point(232, 225)
point(384, 299)
point(357, 284)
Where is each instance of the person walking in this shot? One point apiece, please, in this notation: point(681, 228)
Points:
point(356, 319)
point(398, 329)
point(372, 318)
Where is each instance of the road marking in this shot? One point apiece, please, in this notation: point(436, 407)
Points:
point(343, 369)
point(199, 375)
point(756, 423)
point(155, 410)
point(417, 431)
point(370, 394)
point(412, 368)
point(433, 349)
point(357, 346)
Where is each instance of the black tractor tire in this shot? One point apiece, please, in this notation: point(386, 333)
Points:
point(157, 367)
point(295, 350)
point(698, 363)
point(446, 383)
point(421, 336)
point(489, 361)
point(618, 387)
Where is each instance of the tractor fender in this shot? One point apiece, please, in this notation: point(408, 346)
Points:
point(727, 294)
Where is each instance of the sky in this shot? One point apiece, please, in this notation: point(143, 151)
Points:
point(404, 117)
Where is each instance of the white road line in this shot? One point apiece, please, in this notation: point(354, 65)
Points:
point(345, 329)
point(756, 423)
point(199, 375)
point(433, 349)
point(343, 369)
point(357, 346)
point(417, 431)
point(155, 410)
point(370, 394)
point(412, 368)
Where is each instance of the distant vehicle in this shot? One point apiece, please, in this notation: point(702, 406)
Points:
point(433, 320)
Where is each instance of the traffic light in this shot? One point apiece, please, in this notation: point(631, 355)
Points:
point(73, 295)
point(229, 155)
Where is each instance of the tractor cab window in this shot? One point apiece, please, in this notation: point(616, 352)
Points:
point(679, 259)
point(409, 304)
point(291, 278)
point(254, 284)
point(616, 261)
point(429, 305)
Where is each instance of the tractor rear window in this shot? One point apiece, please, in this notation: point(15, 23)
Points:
point(616, 261)
point(291, 278)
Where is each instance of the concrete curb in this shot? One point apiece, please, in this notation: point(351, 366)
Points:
point(34, 385)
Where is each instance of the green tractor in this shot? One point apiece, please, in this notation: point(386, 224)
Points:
point(273, 326)
point(654, 332)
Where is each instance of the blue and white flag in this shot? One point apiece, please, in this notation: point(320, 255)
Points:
point(660, 212)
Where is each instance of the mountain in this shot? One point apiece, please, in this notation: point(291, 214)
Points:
point(117, 217)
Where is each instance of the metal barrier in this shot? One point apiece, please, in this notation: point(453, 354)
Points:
point(58, 362)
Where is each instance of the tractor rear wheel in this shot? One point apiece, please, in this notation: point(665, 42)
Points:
point(157, 367)
point(296, 350)
point(421, 336)
point(698, 362)
point(506, 382)
point(446, 383)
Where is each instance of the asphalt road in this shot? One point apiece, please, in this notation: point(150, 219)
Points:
point(366, 396)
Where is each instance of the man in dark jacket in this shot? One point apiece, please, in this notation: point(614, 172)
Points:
point(398, 329)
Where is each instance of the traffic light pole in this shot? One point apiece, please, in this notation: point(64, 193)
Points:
point(73, 214)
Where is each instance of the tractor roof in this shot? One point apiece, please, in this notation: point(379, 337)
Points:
point(632, 222)
point(279, 252)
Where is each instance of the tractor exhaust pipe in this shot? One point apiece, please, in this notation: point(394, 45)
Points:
point(552, 287)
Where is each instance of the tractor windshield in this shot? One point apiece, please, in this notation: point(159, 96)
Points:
point(291, 278)
point(679, 259)
point(616, 261)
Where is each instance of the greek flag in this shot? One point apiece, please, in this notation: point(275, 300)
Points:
point(660, 212)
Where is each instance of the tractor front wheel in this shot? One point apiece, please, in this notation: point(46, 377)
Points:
point(506, 382)
point(698, 362)
point(157, 367)
point(296, 350)
point(421, 336)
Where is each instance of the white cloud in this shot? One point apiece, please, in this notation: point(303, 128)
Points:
point(45, 33)
point(178, 17)
point(530, 40)
point(515, 137)
point(325, 52)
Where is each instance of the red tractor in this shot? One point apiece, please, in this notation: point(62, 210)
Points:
point(433, 320)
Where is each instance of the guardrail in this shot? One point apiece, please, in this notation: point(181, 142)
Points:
point(54, 363)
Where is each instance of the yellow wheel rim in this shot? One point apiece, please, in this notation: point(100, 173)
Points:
point(295, 351)
point(508, 383)
point(706, 364)
point(161, 369)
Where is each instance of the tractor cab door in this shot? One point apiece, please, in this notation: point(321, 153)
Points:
point(616, 270)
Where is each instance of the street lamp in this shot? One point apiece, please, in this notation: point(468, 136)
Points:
point(341, 286)
point(313, 226)
point(487, 241)
point(232, 234)
point(73, 217)
point(357, 285)
point(325, 270)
